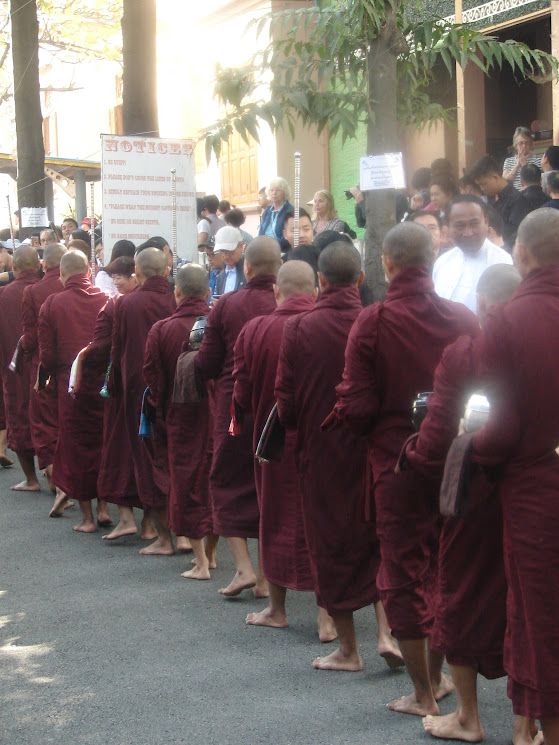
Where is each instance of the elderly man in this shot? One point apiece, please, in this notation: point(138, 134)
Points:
point(66, 323)
point(43, 405)
point(17, 385)
point(229, 242)
point(457, 272)
point(47, 237)
point(234, 501)
point(135, 314)
point(517, 356)
point(392, 352)
point(339, 526)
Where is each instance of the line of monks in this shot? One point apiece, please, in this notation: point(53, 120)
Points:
point(334, 514)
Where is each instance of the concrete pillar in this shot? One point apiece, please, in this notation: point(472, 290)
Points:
point(49, 198)
point(81, 195)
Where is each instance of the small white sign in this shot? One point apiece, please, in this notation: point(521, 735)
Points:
point(381, 172)
point(34, 217)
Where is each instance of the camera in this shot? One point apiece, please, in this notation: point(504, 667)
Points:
point(349, 195)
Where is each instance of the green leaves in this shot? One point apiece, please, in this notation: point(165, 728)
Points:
point(316, 64)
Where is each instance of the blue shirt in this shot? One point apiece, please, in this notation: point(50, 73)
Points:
point(212, 283)
point(230, 279)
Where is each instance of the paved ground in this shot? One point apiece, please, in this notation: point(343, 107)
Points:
point(99, 645)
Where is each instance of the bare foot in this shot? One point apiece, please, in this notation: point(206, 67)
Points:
point(410, 705)
point(5, 462)
point(267, 618)
point(326, 627)
point(104, 520)
point(27, 486)
point(85, 527)
point(60, 504)
point(51, 486)
point(261, 590)
point(339, 661)
point(196, 573)
point(158, 548)
point(237, 585)
point(212, 564)
point(121, 530)
point(389, 650)
point(450, 727)
point(444, 688)
point(149, 533)
point(183, 544)
point(525, 732)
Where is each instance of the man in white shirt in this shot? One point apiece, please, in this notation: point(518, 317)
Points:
point(456, 272)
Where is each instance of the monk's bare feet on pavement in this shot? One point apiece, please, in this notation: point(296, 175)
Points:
point(444, 687)
point(239, 583)
point(525, 732)
point(338, 661)
point(160, 547)
point(103, 517)
point(389, 650)
point(5, 462)
point(326, 627)
point(211, 563)
point(195, 573)
point(183, 544)
point(121, 529)
point(85, 526)
point(28, 485)
point(410, 705)
point(149, 533)
point(47, 473)
point(266, 617)
point(61, 503)
point(261, 589)
point(453, 727)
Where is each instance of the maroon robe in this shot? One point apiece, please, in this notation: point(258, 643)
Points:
point(43, 405)
point(470, 615)
point(518, 351)
point(16, 385)
point(189, 427)
point(283, 547)
point(391, 356)
point(234, 501)
point(116, 482)
point(135, 314)
point(2, 409)
point(66, 324)
point(332, 465)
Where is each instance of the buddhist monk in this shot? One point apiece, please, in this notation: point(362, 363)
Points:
point(188, 426)
point(135, 314)
point(17, 385)
point(332, 466)
point(43, 405)
point(470, 616)
point(283, 548)
point(233, 492)
point(5, 462)
point(517, 353)
point(66, 323)
point(116, 483)
point(392, 352)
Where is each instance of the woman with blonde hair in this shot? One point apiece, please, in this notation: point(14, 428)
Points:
point(273, 217)
point(522, 143)
point(325, 216)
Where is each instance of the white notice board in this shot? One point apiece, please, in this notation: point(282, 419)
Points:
point(381, 172)
point(137, 201)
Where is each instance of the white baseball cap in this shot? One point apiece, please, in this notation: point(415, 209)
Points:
point(227, 238)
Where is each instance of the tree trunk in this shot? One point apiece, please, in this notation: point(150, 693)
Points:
point(139, 79)
point(27, 101)
point(382, 137)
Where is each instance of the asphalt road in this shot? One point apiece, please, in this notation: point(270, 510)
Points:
point(100, 645)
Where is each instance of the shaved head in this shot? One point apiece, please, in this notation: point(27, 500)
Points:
point(73, 262)
point(264, 255)
point(340, 264)
point(295, 278)
point(151, 262)
point(192, 281)
point(498, 282)
point(25, 258)
point(408, 244)
point(53, 253)
point(539, 232)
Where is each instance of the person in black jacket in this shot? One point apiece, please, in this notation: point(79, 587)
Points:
point(531, 180)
